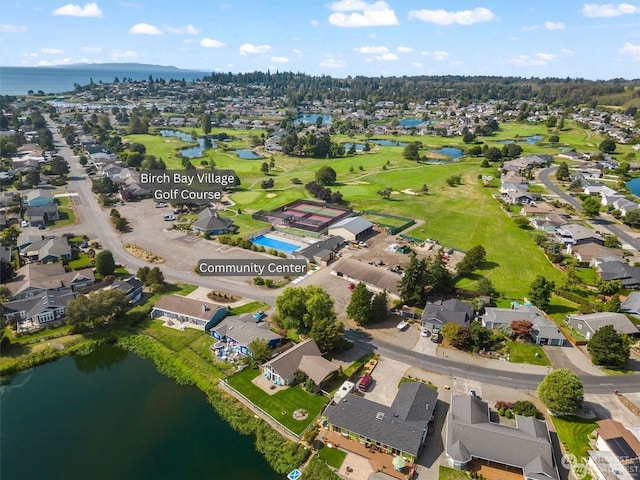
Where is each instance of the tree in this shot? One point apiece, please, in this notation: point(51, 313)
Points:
point(154, 277)
point(613, 305)
point(561, 391)
point(120, 223)
point(413, 282)
point(359, 308)
point(485, 287)
point(326, 175)
point(105, 264)
point(608, 347)
point(264, 168)
point(6, 270)
point(540, 292)
point(632, 218)
point(612, 241)
point(259, 350)
point(10, 235)
point(205, 123)
point(424, 189)
point(591, 207)
point(379, 307)
point(521, 328)
point(142, 274)
point(472, 260)
point(450, 332)
point(438, 279)
point(562, 173)
point(300, 308)
point(493, 154)
point(385, 193)
point(328, 333)
point(607, 146)
point(59, 166)
point(412, 151)
point(479, 336)
point(97, 308)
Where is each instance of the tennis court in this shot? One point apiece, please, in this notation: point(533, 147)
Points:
point(304, 214)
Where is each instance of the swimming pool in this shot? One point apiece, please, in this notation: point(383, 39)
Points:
point(268, 242)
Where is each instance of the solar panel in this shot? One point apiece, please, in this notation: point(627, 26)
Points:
point(621, 449)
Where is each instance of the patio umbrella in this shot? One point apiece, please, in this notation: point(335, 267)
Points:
point(398, 463)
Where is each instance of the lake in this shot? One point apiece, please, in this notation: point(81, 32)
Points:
point(634, 186)
point(452, 152)
point(388, 143)
point(190, 152)
point(247, 154)
point(532, 140)
point(312, 118)
point(112, 415)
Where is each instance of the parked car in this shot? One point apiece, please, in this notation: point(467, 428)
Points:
point(435, 336)
point(425, 332)
point(364, 382)
point(24, 223)
point(402, 325)
point(41, 226)
point(169, 218)
point(259, 315)
point(161, 205)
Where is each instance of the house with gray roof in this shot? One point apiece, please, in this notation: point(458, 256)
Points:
point(42, 215)
point(628, 275)
point(588, 324)
point(35, 278)
point(131, 287)
point(352, 228)
point(188, 312)
point(241, 330)
point(47, 249)
point(596, 254)
point(631, 304)
point(399, 429)
point(321, 252)
point(210, 222)
point(305, 356)
point(438, 312)
point(544, 331)
point(573, 234)
point(375, 278)
point(472, 435)
point(37, 311)
point(39, 197)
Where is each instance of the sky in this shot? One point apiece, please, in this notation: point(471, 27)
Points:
point(523, 38)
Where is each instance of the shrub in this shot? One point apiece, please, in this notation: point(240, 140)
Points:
point(525, 408)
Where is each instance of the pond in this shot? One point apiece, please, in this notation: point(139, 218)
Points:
point(410, 122)
point(388, 143)
point(532, 140)
point(190, 152)
point(112, 415)
point(312, 118)
point(246, 154)
point(358, 146)
point(634, 186)
point(454, 153)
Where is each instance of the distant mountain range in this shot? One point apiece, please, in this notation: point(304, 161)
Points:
point(132, 67)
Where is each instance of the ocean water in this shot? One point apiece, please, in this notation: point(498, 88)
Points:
point(19, 80)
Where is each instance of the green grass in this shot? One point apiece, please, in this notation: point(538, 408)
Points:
point(332, 456)
point(358, 363)
point(573, 433)
point(248, 308)
point(287, 400)
point(66, 217)
point(526, 353)
point(82, 261)
point(447, 473)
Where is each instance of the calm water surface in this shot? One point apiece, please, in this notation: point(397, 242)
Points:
point(111, 415)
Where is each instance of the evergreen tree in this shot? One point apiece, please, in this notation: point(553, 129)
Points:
point(359, 308)
point(105, 264)
point(540, 292)
point(379, 307)
point(413, 282)
point(608, 347)
point(438, 279)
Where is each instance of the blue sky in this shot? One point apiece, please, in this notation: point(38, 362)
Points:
point(541, 38)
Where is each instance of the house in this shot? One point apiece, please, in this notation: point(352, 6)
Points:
point(472, 435)
point(548, 223)
point(537, 210)
point(375, 278)
point(209, 222)
point(188, 312)
point(595, 254)
point(624, 205)
point(241, 330)
point(399, 429)
point(37, 311)
point(628, 275)
point(544, 331)
point(321, 252)
point(352, 228)
point(39, 197)
point(131, 287)
point(631, 304)
point(588, 324)
point(46, 249)
point(597, 188)
point(304, 356)
point(573, 234)
point(618, 454)
point(437, 313)
point(35, 278)
point(42, 215)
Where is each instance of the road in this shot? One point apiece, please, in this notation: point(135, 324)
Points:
point(96, 221)
point(606, 222)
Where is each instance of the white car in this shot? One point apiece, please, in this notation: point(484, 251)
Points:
point(402, 325)
point(425, 332)
point(24, 223)
point(169, 218)
point(161, 205)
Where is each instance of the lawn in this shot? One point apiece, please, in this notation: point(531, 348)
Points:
point(447, 473)
point(66, 217)
point(573, 433)
point(332, 456)
point(526, 353)
point(248, 308)
point(282, 404)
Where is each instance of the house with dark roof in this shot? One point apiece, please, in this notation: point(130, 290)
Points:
point(588, 324)
point(543, 332)
point(631, 304)
point(305, 356)
point(37, 311)
point(471, 434)
point(352, 228)
point(628, 275)
point(188, 312)
point(375, 278)
point(210, 222)
point(573, 234)
point(321, 252)
point(438, 312)
point(241, 330)
point(46, 249)
point(131, 287)
point(43, 214)
point(35, 278)
point(399, 429)
point(618, 452)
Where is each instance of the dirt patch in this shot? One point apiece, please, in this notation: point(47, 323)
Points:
point(143, 254)
point(408, 191)
point(630, 405)
point(357, 183)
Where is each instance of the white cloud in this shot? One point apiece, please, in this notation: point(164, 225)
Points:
point(425, 52)
point(462, 17)
point(404, 49)
point(331, 62)
point(566, 51)
point(371, 49)
point(297, 51)
point(207, 42)
point(119, 55)
point(279, 60)
point(89, 10)
point(52, 51)
point(145, 29)
point(554, 25)
point(189, 29)
point(314, 23)
point(438, 54)
point(593, 10)
point(362, 14)
point(50, 63)
point(546, 56)
point(249, 48)
point(91, 49)
point(538, 60)
point(633, 51)
point(387, 57)
point(416, 64)
point(5, 28)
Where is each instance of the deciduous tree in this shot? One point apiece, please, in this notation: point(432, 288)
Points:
point(561, 391)
point(540, 292)
point(105, 264)
point(608, 347)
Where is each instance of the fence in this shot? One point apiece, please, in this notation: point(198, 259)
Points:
point(392, 228)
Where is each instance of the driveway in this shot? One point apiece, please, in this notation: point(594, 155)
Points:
point(386, 378)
